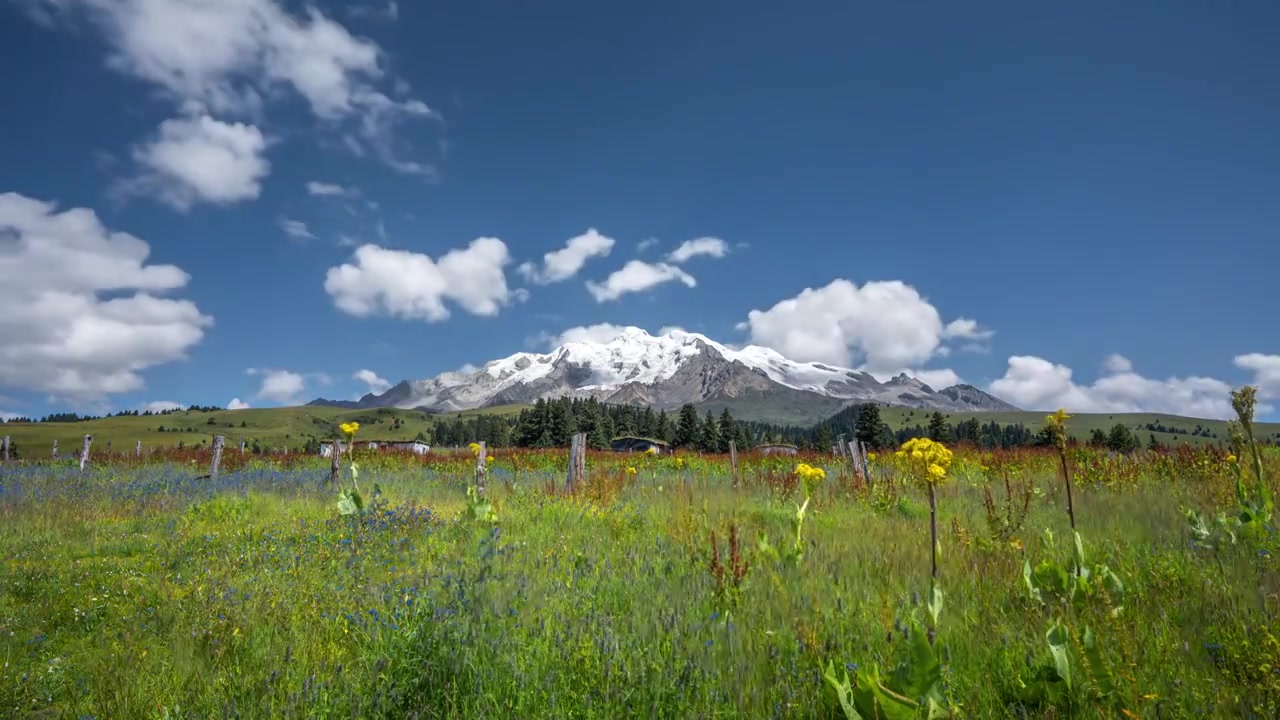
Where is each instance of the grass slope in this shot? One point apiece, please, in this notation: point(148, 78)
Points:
point(1082, 424)
point(138, 593)
point(270, 427)
point(292, 426)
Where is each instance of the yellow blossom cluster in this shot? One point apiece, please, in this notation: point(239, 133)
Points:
point(349, 429)
point(631, 471)
point(928, 460)
point(810, 476)
point(475, 449)
point(1057, 424)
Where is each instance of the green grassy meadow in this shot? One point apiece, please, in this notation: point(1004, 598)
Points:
point(271, 427)
point(292, 426)
point(138, 591)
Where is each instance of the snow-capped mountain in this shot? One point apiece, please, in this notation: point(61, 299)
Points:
point(667, 371)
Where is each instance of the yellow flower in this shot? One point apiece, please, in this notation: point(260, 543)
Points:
point(631, 471)
point(928, 460)
point(871, 456)
point(1057, 424)
point(349, 429)
point(651, 450)
point(475, 449)
point(810, 476)
point(1231, 459)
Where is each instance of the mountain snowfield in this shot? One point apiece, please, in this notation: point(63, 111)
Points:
point(667, 371)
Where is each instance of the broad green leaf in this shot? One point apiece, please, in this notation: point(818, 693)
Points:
point(935, 604)
point(1059, 642)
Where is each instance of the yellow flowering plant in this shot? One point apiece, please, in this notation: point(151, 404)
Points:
point(810, 476)
point(349, 501)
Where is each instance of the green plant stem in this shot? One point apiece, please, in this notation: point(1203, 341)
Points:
point(933, 551)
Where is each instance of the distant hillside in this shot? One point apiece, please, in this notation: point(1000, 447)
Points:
point(294, 426)
point(1168, 429)
point(271, 427)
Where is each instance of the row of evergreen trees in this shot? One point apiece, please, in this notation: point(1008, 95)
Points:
point(550, 423)
point(70, 417)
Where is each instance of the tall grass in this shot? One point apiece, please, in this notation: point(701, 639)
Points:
point(136, 591)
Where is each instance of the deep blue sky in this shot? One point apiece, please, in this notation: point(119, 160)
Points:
point(1084, 180)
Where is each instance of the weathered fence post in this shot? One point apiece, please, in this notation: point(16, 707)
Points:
point(482, 457)
point(137, 449)
point(218, 441)
point(573, 454)
point(577, 460)
point(55, 450)
point(858, 453)
point(733, 461)
point(84, 452)
point(241, 447)
point(6, 448)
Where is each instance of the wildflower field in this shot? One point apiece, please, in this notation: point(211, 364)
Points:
point(946, 581)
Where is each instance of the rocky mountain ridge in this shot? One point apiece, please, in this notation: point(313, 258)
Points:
point(668, 371)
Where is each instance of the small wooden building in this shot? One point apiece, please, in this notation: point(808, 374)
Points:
point(414, 446)
point(629, 443)
point(777, 449)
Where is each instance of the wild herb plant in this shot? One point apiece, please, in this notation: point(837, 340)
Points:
point(1252, 517)
point(1006, 519)
point(349, 500)
point(810, 477)
point(728, 578)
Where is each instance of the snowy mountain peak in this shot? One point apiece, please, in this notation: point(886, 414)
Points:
point(666, 371)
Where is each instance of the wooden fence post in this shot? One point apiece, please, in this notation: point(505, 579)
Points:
point(577, 460)
point(335, 457)
point(6, 448)
point(241, 447)
point(218, 441)
point(482, 458)
point(84, 452)
point(573, 454)
point(733, 461)
point(55, 450)
point(137, 449)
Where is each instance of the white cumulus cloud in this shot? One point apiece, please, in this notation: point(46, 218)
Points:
point(233, 56)
point(1034, 383)
point(323, 189)
point(238, 404)
point(296, 229)
point(58, 333)
point(376, 384)
point(413, 286)
point(562, 264)
point(199, 159)
point(1115, 364)
point(156, 406)
point(709, 246)
point(598, 333)
point(883, 325)
point(1266, 373)
point(637, 276)
point(283, 386)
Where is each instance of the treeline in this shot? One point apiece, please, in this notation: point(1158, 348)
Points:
point(551, 423)
point(69, 417)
